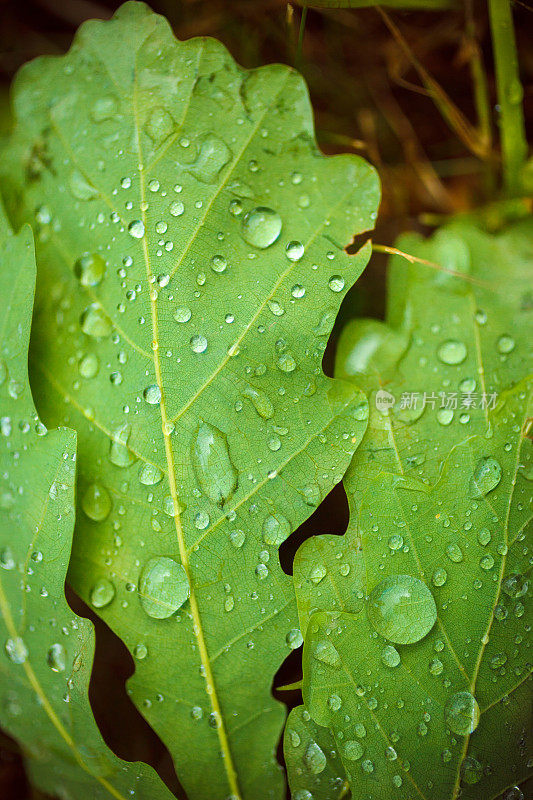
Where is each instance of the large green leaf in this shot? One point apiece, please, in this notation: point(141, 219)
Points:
point(440, 514)
point(207, 234)
point(47, 651)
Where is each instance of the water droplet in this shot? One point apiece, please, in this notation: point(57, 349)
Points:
point(89, 269)
point(89, 366)
point(150, 475)
point(96, 502)
point(318, 573)
point(119, 453)
point(314, 759)
point(515, 586)
point(104, 108)
point(276, 529)
point(461, 713)
point(327, 653)
point(16, 650)
point(56, 658)
point(436, 666)
point(261, 227)
point(213, 156)
point(102, 593)
point(452, 352)
point(286, 362)
point(440, 576)
point(140, 651)
point(163, 587)
point(336, 283)
point(182, 314)
point(260, 402)
point(402, 609)
point(159, 125)
point(444, 416)
point(213, 467)
point(198, 343)
point(396, 542)
point(294, 638)
point(506, 344)
point(390, 656)
point(487, 475)
point(484, 537)
point(353, 750)
point(454, 553)
point(152, 394)
point(136, 229)
point(80, 186)
point(367, 766)
point(294, 251)
point(95, 322)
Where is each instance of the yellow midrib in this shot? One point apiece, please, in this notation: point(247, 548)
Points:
point(184, 556)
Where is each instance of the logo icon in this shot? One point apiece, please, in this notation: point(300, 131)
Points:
point(384, 400)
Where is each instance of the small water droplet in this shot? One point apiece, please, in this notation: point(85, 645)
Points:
point(452, 352)
point(461, 713)
point(96, 502)
point(90, 269)
point(102, 593)
point(213, 467)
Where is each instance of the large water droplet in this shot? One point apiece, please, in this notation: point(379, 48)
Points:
point(56, 658)
point(452, 352)
point(276, 529)
point(314, 759)
point(150, 475)
point(90, 269)
point(159, 125)
point(353, 750)
point(119, 453)
point(260, 402)
point(213, 156)
point(95, 322)
point(327, 653)
point(80, 186)
point(506, 344)
point(402, 609)
point(16, 650)
point(136, 229)
point(487, 475)
point(102, 593)
point(152, 394)
point(390, 656)
point(461, 713)
point(294, 252)
point(89, 366)
point(261, 227)
point(163, 587)
point(213, 467)
point(96, 502)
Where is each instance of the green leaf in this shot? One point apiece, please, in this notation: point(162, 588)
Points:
point(47, 650)
point(427, 698)
point(207, 232)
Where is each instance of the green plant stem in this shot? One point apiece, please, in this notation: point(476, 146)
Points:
point(512, 126)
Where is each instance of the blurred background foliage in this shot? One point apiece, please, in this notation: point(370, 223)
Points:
point(411, 91)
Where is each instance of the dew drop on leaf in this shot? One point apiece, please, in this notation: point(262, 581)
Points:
point(96, 502)
point(261, 227)
point(276, 528)
point(152, 394)
point(353, 750)
point(163, 587)
point(102, 593)
point(487, 475)
point(150, 475)
point(95, 322)
point(390, 656)
point(452, 352)
point(136, 229)
point(90, 269)
point(327, 653)
point(461, 713)
point(212, 464)
point(402, 609)
point(56, 658)
point(16, 650)
point(314, 759)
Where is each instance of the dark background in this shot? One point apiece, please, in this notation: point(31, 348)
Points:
point(368, 99)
